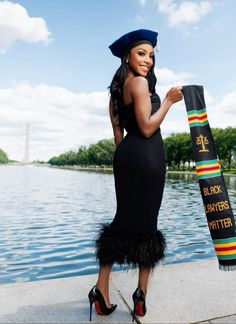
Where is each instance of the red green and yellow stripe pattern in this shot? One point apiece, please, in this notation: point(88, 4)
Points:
point(208, 169)
point(197, 117)
point(225, 248)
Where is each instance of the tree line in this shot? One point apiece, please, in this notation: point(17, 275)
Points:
point(178, 149)
point(100, 154)
point(3, 157)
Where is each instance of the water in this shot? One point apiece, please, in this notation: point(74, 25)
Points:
point(49, 220)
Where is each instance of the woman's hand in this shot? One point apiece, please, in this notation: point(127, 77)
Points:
point(174, 94)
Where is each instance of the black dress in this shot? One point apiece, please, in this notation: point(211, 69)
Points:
point(139, 170)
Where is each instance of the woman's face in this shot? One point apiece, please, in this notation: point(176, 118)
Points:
point(140, 59)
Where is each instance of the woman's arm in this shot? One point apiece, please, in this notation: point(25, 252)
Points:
point(117, 130)
point(148, 123)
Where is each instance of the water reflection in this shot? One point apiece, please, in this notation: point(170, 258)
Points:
point(49, 220)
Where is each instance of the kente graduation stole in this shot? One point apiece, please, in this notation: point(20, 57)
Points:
point(215, 198)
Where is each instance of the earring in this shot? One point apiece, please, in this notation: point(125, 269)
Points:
point(126, 61)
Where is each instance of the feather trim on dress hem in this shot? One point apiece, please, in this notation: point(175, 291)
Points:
point(128, 248)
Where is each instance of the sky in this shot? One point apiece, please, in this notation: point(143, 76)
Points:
point(56, 66)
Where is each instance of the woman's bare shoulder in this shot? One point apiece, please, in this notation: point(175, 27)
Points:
point(138, 80)
point(138, 84)
point(134, 87)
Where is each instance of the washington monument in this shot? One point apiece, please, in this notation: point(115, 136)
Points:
point(27, 147)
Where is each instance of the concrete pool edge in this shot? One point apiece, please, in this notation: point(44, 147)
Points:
point(193, 292)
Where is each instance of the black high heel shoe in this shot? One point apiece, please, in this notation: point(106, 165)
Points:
point(96, 297)
point(139, 303)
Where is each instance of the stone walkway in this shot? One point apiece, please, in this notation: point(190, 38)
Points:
point(196, 292)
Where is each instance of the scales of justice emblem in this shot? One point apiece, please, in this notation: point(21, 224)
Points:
point(202, 140)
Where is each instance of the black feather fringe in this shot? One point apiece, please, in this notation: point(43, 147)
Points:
point(125, 248)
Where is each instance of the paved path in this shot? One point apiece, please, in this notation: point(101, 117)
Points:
point(194, 292)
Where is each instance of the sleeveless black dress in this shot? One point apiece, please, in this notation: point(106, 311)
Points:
point(139, 169)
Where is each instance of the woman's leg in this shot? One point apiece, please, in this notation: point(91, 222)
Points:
point(143, 279)
point(103, 282)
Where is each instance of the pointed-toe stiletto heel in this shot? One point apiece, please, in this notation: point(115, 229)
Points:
point(96, 297)
point(139, 303)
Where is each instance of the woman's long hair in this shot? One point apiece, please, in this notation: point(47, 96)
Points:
point(117, 83)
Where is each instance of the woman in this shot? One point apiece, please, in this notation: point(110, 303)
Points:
point(139, 169)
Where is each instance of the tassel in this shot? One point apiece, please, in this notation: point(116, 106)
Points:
point(227, 267)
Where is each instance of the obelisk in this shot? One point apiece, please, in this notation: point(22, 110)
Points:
point(26, 159)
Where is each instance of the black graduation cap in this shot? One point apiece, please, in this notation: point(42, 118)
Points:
point(118, 47)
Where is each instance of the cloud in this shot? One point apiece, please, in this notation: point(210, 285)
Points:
point(59, 119)
point(222, 113)
point(139, 20)
point(175, 120)
point(143, 2)
point(15, 24)
point(167, 78)
point(186, 12)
